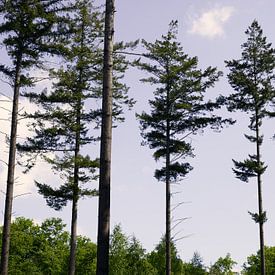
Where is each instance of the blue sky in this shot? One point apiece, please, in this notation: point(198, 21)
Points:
point(215, 201)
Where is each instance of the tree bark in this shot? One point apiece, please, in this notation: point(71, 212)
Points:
point(105, 146)
point(168, 206)
point(260, 201)
point(168, 187)
point(11, 172)
point(73, 243)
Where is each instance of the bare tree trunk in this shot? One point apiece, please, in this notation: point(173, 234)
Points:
point(105, 146)
point(260, 202)
point(11, 172)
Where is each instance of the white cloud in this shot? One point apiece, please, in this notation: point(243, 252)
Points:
point(23, 182)
point(210, 23)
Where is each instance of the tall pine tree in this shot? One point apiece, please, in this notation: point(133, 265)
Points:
point(61, 121)
point(178, 110)
point(252, 78)
point(66, 114)
point(28, 28)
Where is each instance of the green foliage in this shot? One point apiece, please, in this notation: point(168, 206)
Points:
point(60, 123)
point(127, 255)
point(178, 108)
point(29, 29)
point(252, 78)
point(195, 266)
point(44, 249)
point(33, 248)
point(258, 218)
point(85, 256)
point(64, 120)
point(252, 75)
point(223, 266)
point(157, 259)
point(137, 259)
point(118, 251)
point(248, 168)
point(253, 264)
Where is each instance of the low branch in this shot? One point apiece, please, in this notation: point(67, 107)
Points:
point(3, 100)
point(6, 82)
point(175, 193)
point(23, 194)
point(3, 133)
point(3, 108)
point(179, 222)
point(45, 150)
point(4, 162)
point(179, 204)
point(184, 237)
point(39, 79)
point(129, 53)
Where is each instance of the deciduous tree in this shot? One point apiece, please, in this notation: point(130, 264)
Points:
point(223, 266)
point(253, 263)
point(157, 258)
point(44, 248)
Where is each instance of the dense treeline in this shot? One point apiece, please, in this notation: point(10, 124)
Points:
point(34, 250)
point(88, 71)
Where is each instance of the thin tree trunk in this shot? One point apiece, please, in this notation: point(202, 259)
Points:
point(105, 146)
point(73, 241)
point(167, 183)
point(260, 202)
point(11, 172)
point(73, 244)
point(168, 206)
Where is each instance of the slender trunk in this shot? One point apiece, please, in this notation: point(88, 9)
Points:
point(105, 146)
point(73, 242)
point(167, 183)
point(260, 202)
point(168, 204)
point(11, 171)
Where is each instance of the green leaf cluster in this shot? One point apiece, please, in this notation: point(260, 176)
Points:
point(44, 249)
point(127, 256)
point(253, 263)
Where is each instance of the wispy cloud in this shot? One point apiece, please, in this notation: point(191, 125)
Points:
point(211, 23)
